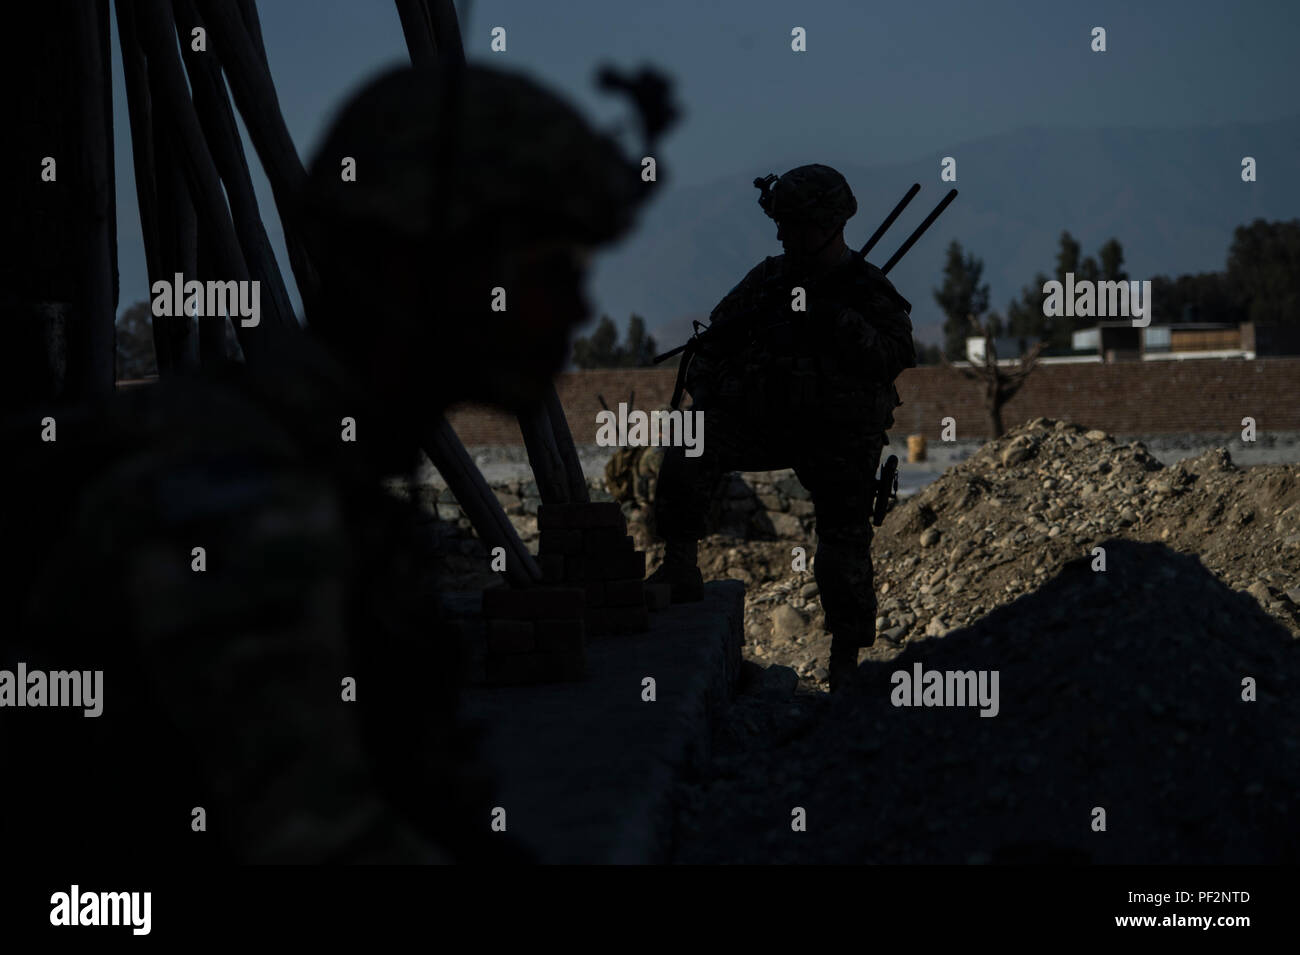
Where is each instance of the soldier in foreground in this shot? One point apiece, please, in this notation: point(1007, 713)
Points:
point(231, 561)
point(811, 390)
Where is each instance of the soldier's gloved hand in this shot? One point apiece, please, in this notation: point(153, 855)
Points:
point(853, 336)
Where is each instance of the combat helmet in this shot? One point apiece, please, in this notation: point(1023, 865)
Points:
point(442, 152)
point(456, 164)
point(812, 193)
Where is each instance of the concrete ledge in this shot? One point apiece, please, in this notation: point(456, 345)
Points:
point(585, 770)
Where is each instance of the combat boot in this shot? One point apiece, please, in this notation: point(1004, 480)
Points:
point(843, 664)
point(680, 571)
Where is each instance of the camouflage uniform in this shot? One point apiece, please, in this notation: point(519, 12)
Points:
point(811, 390)
point(631, 476)
point(223, 689)
point(646, 481)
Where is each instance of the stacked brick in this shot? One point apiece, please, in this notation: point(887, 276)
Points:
point(593, 585)
point(535, 635)
point(587, 546)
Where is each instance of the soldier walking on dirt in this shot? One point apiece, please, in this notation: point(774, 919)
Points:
point(812, 390)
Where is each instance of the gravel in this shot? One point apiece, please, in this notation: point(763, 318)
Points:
point(1122, 687)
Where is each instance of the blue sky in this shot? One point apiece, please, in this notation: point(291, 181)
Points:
point(879, 82)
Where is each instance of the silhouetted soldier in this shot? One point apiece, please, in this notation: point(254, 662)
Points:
point(226, 670)
point(810, 390)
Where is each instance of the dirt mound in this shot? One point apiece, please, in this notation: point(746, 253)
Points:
point(1012, 515)
point(999, 524)
point(1120, 691)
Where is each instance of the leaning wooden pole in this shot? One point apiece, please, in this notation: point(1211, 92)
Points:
point(222, 134)
point(249, 76)
point(478, 501)
point(440, 441)
point(45, 266)
point(417, 28)
point(544, 457)
point(139, 105)
point(178, 225)
point(446, 30)
point(253, 27)
point(95, 346)
point(578, 492)
point(212, 328)
point(158, 35)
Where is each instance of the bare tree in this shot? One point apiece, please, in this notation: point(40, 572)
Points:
point(999, 384)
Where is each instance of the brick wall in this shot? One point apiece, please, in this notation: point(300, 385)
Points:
point(1205, 395)
point(651, 388)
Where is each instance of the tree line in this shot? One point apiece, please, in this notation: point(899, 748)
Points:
point(1260, 283)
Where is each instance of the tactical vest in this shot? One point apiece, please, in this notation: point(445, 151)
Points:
point(787, 368)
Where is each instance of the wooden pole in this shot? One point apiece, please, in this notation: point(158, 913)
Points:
point(139, 105)
point(93, 358)
point(446, 30)
point(253, 89)
point(158, 35)
point(417, 27)
point(222, 135)
point(253, 26)
point(179, 229)
point(478, 502)
point(578, 492)
point(544, 457)
point(212, 328)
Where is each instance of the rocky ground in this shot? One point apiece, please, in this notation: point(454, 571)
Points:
point(1121, 691)
point(1120, 704)
point(1125, 684)
point(1006, 519)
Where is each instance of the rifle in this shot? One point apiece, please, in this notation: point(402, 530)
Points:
point(703, 335)
point(886, 489)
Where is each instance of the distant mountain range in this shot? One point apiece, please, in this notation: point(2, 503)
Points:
point(1172, 198)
